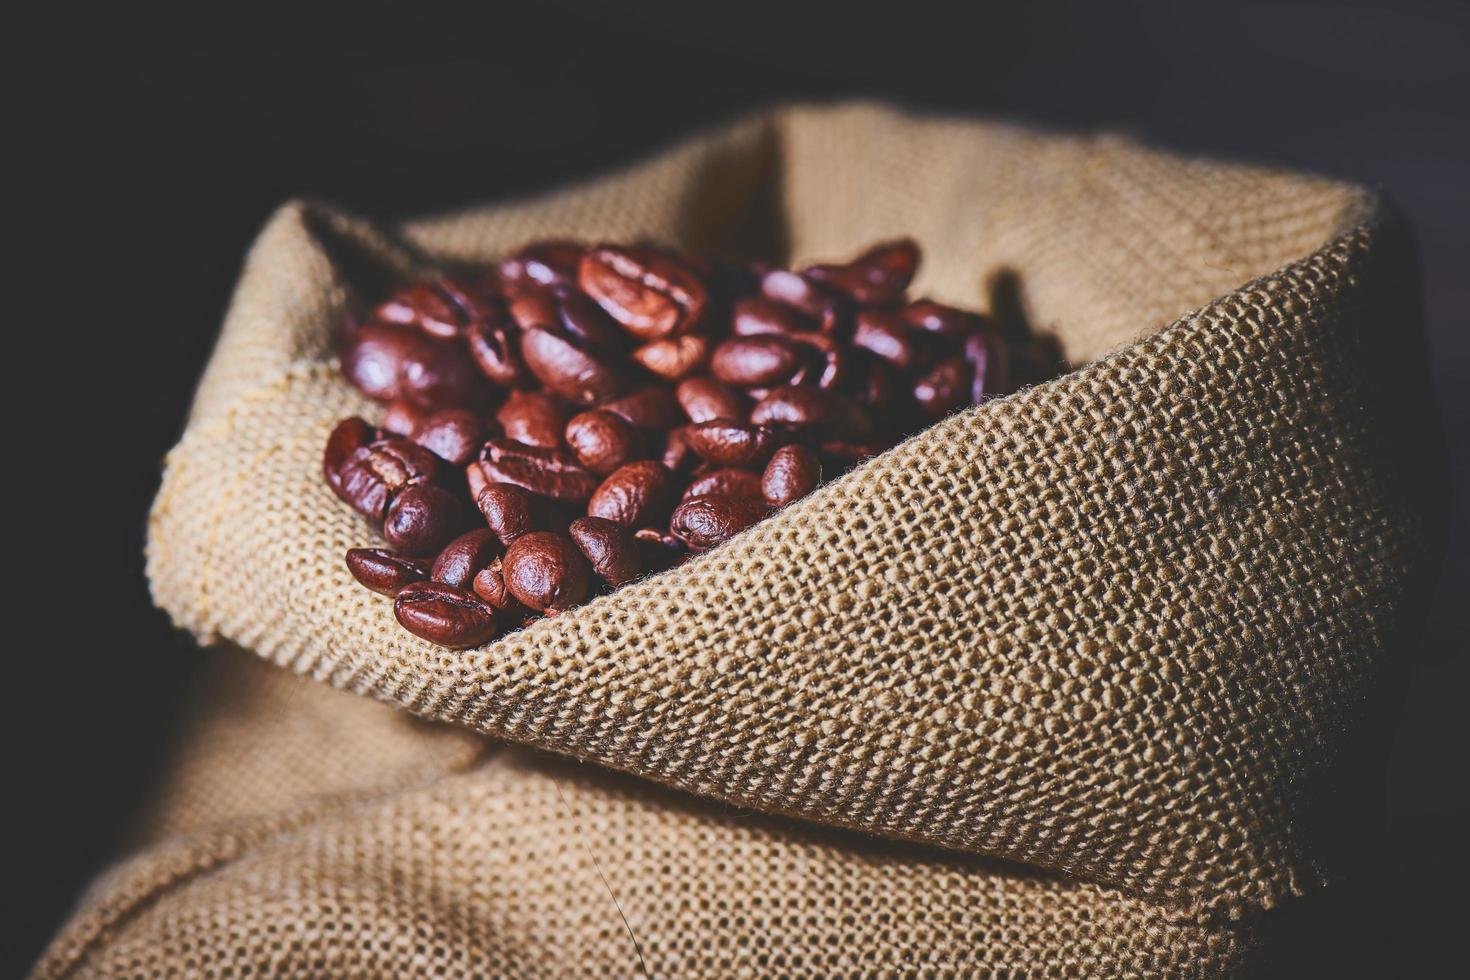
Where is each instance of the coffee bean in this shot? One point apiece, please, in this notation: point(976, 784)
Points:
point(422, 519)
point(986, 356)
point(728, 482)
point(727, 443)
point(401, 417)
point(550, 473)
point(945, 321)
point(804, 296)
point(531, 305)
point(496, 349)
point(534, 418)
point(885, 335)
point(347, 437)
point(792, 473)
point(674, 357)
point(658, 550)
point(424, 305)
point(601, 440)
point(758, 315)
point(373, 475)
point(489, 585)
point(634, 495)
point(386, 362)
point(835, 359)
point(569, 367)
point(769, 359)
point(944, 388)
point(811, 410)
point(703, 522)
point(649, 291)
point(879, 275)
point(384, 572)
point(512, 511)
point(704, 398)
point(609, 547)
point(652, 408)
point(546, 571)
point(454, 435)
point(463, 558)
point(678, 456)
point(445, 614)
point(584, 321)
point(547, 263)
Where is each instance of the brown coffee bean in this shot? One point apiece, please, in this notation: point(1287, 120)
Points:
point(658, 550)
point(758, 315)
point(386, 362)
point(835, 359)
point(424, 305)
point(936, 318)
point(585, 322)
point(496, 348)
point(609, 547)
point(704, 398)
point(728, 443)
point(569, 367)
point(384, 572)
point(463, 558)
point(512, 511)
point(444, 614)
point(812, 410)
point(546, 571)
point(454, 435)
point(989, 367)
point(769, 359)
point(422, 520)
point(532, 305)
point(793, 472)
point(635, 495)
point(728, 482)
point(703, 522)
point(650, 292)
point(602, 441)
point(879, 275)
point(547, 263)
point(348, 436)
point(373, 475)
point(489, 585)
point(550, 473)
point(886, 336)
point(944, 388)
point(804, 296)
point(653, 409)
point(674, 357)
point(401, 417)
point(678, 456)
point(534, 418)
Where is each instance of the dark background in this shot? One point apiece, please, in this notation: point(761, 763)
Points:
point(176, 133)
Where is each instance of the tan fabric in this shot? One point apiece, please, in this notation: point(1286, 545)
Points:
point(1116, 626)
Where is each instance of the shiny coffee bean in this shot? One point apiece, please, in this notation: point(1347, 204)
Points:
point(496, 349)
point(401, 417)
point(584, 322)
point(792, 473)
point(944, 388)
point(811, 410)
point(658, 550)
point(760, 361)
point(945, 321)
point(569, 367)
point(424, 305)
point(546, 571)
point(886, 336)
point(463, 558)
point(489, 585)
point(652, 409)
point(348, 436)
point(727, 443)
point(635, 495)
point(652, 293)
point(758, 315)
point(703, 522)
point(804, 296)
point(880, 275)
point(532, 305)
point(547, 263)
point(386, 362)
point(446, 615)
point(511, 511)
point(373, 475)
point(454, 435)
point(729, 482)
point(674, 357)
point(534, 418)
point(835, 361)
point(602, 441)
point(704, 398)
point(678, 456)
point(384, 572)
point(422, 520)
point(550, 473)
point(986, 355)
point(609, 547)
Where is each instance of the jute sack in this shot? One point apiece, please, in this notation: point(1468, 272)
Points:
point(1123, 628)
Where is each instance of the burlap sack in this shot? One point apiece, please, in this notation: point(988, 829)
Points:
point(1115, 630)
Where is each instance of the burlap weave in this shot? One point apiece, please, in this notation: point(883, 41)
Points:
point(1116, 627)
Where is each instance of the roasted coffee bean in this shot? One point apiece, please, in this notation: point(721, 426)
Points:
point(945, 321)
point(386, 361)
point(635, 495)
point(703, 522)
point(886, 336)
point(348, 436)
point(836, 359)
point(546, 571)
point(489, 585)
point(463, 558)
point(674, 357)
point(728, 481)
point(658, 550)
point(445, 614)
point(609, 547)
point(944, 388)
point(602, 441)
point(804, 296)
point(374, 474)
point(728, 443)
point(652, 408)
point(650, 292)
point(534, 418)
point(704, 398)
point(550, 473)
point(384, 572)
point(426, 306)
point(422, 520)
point(401, 417)
point(758, 315)
point(792, 473)
point(547, 263)
point(454, 435)
point(769, 359)
point(986, 355)
point(811, 410)
point(569, 367)
point(496, 348)
point(532, 305)
point(585, 322)
point(512, 511)
point(880, 275)
point(678, 456)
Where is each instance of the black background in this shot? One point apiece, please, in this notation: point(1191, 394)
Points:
point(164, 139)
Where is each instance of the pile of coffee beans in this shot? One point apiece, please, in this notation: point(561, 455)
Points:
point(580, 416)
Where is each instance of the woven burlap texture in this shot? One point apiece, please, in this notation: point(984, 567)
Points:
point(1114, 625)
